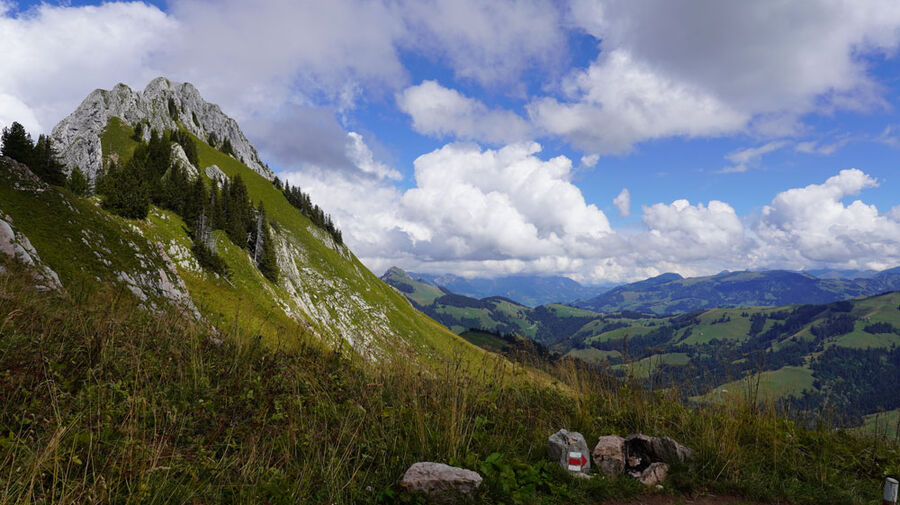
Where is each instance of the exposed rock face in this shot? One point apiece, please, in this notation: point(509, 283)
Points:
point(441, 483)
point(19, 247)
point(77, 137)
point(609, 455)
point(180, 160)
point(562, 444)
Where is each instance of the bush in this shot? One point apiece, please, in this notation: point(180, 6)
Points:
point(209, 260)
point(77, 182)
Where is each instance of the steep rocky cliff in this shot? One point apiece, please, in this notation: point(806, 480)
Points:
point(162, 105)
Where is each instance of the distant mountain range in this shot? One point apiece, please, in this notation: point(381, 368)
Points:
point(530, 290)
point(670, 293)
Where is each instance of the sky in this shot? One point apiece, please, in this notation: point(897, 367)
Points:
point(603, 140)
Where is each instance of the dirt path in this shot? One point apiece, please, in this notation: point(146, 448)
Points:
point(703, 499)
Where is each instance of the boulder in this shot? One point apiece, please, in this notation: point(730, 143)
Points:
point(668, 450)
point(609, 455)
point(647, 458)
point(653, 449)
point(563, 446)
point(654, 474)
point(441, 483)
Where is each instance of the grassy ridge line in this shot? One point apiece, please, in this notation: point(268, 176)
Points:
point(101, 402)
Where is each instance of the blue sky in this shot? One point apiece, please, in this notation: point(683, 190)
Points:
point(494, 138)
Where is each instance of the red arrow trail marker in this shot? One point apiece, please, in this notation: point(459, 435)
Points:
point(577, 461)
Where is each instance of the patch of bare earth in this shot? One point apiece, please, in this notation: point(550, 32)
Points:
point(702, 499)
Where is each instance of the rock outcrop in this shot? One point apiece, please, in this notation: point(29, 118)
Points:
point(18, 246)
point(441, 483)
point(162, 105)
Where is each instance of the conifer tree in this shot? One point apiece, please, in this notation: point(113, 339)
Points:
point(16, 143)
point(195, 203)
point(124, 191)
point(77, 182)
point(264, 250)
point(237, 212)
point(45, 163)
point(227, 148)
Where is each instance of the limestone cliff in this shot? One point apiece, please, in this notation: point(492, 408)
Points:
point(77, 137)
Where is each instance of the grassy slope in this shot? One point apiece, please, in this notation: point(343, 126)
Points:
point(769, 385)
point(102, 402)
point(882, 425)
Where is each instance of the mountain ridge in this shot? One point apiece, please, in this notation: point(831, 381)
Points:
point(530, 290)
point(162, 105)
point(668, 295)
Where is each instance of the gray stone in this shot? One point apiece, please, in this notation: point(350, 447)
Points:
point(561, 443)
point(77, 137)
point(609, 455)
point(668, 450)
point(441, 483)
point(654, 474)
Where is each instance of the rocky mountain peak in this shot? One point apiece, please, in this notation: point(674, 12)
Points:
point(162, 105)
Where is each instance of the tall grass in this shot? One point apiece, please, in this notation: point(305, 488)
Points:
point(103, 402)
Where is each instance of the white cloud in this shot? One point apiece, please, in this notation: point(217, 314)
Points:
point(681, 231)
point(735, 65)
point(810, 225)
point(590, 160)
point(54, 56)
point(492, 42)
point(361, 156)
point(619, 101)
point(623, 202)
point(743, 159)
point(439, 111)
point(499, 204)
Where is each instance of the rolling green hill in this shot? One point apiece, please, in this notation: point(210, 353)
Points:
point(546, 324)
point(797, 355)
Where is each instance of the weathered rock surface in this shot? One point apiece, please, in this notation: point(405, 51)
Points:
point(215, 173)
point(18, 246)
point(77, 137)
point(563, 442)
point(609, 455)
point(441, 483)
point(654, 474)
